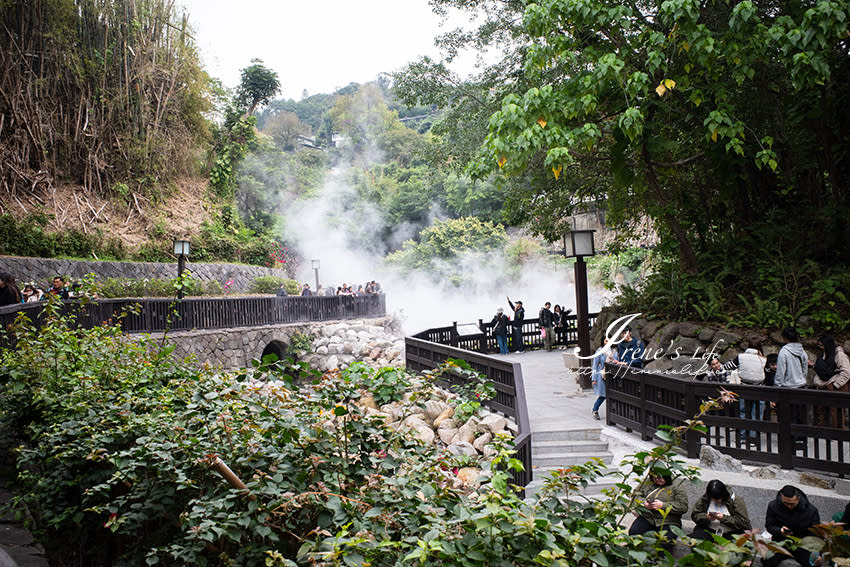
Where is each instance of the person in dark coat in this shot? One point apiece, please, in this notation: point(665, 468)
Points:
point(59, 289)
point(500, 330)
point(519, 319)
point(630, 349)
point(9, 293)
point(547, 328)
point(790, 514)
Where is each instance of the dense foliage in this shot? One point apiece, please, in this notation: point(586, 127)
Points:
point(124, 454)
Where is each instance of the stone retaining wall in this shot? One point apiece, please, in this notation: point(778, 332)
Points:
point(336, 344)
point(42, 270)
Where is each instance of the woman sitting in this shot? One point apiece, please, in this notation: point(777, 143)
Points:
point(660, 492)
point(719, 512)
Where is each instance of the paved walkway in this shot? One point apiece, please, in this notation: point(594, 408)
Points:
point(555, 402)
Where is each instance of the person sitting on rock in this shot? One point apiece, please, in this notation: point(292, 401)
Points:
point(790, 514)
point(661, 491)
point(719, 512)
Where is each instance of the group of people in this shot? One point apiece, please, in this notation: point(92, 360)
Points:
point(10, 294)
point(369, 288)
point(787, 368)
point(662, 500)
point(551, 324)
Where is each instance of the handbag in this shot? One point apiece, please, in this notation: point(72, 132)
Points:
point(543, 332)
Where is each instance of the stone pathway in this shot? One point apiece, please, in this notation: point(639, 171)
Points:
point(17, 546)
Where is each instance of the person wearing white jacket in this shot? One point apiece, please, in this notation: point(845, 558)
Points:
point(793, 362)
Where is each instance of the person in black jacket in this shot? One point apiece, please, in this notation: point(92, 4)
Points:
point(519, 318)
point(790, 514)
point(9, 293)
point(546, 322)
point(500, 330)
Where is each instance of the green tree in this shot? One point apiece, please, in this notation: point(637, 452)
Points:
point(258, 85)
point(284, 128)
point(702, 114)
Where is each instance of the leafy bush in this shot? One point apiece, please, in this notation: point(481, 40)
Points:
point(127, 450)
point(270, 284)
point(131, 287)
point(30, 237)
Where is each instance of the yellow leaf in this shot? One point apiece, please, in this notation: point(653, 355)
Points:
point(542, 122)
point(714, 136)
point(686, 46)
point(661, 89)
point(670, 84)
point(557, 171)
point(502, 161)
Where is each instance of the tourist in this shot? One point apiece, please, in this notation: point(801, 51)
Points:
point(281, 290)
point(519, 319)
point(558, 323)
point(661, 491)
point(31, 294)
point(719, 512)
point(597, 376)
point(59, 289)
point(9, 293)
point(546, 321)
point(500, 330)
point(790, 514)
point(630, 349)
point(305, 290)
point(792, 363)
point(718, 373)
point(832, 373)
point(751, 365)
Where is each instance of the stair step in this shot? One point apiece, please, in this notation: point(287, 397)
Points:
point(571, 458)
point(591, 490)
point(541, 472)
point(560, 446)
point(590, 434)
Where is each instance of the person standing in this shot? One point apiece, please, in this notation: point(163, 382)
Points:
point(792, 363)
point(790, 514)
point(751, 365)
point(500, 330)
point(546, 320)
point(832, 373)
point(59, 290)
point(597, 376)
point(519, 319)
point(9, 293)
point(630, 349)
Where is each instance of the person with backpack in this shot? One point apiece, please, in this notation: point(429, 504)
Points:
point(500, 330)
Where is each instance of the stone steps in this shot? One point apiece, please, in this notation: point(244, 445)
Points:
point(562, 448)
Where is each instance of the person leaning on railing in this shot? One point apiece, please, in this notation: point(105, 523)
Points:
point(832, 373)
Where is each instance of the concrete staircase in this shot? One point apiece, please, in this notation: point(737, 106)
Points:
point(552, 450)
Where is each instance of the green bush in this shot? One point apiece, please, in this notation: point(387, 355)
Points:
point(123, 448)
point(270, 284)
point(130, 287)
point(30, 237)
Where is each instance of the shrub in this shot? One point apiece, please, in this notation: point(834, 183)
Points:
point(270, 284)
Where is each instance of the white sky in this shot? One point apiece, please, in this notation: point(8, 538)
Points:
point(317, 45)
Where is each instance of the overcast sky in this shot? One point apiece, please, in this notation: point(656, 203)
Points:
point(317, 45)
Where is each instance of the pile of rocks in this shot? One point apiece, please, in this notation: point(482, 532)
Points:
point(376, 342)
point(436, 422)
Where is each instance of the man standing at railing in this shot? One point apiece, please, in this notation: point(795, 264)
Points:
point(547, 325)
point(500, 330)
point(519, 319)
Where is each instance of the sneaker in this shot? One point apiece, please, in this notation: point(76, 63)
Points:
point(596, 415)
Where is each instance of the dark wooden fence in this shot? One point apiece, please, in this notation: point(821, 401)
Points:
point(158, 315)
point(507, 378)
point(483, 341)
point(792, 436)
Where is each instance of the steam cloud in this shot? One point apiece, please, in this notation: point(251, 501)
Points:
point(315, 228)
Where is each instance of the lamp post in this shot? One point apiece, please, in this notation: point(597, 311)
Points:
point(181, 250)
point(316, 270)
point(578, 244)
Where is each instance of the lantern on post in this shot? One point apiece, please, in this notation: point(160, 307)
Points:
point(181, 250)
point(578, 244)
point(316, 263)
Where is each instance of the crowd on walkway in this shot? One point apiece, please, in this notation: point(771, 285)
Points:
point(10, 294)
point(551, 322)
point(369, 288)
point(662, 501)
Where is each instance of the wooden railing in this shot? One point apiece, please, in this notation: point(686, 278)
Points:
point(641, 401)
point(484, 341)
point(507, 378)
point(158, 315)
